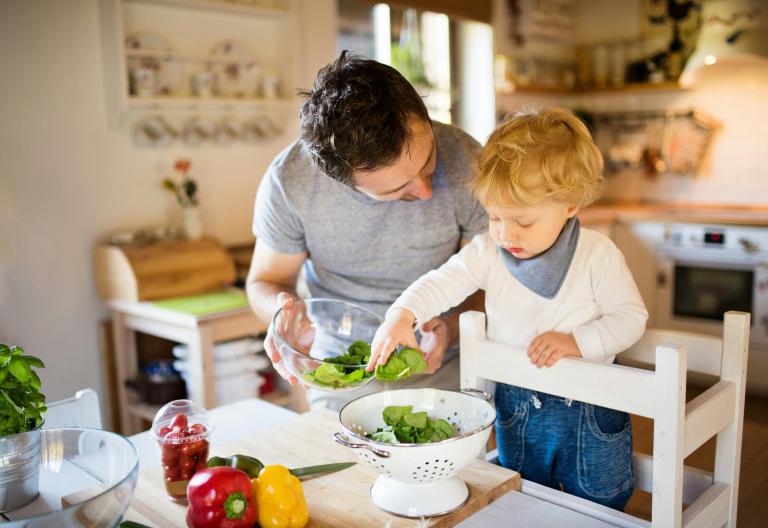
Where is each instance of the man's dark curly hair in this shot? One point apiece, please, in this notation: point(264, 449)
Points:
point(355, 118)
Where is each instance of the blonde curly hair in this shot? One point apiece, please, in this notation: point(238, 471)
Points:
point(533, 156)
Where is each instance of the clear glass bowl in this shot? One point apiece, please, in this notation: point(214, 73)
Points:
point(87, 478)
point(315, 331)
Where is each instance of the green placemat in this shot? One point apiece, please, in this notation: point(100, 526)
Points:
point(205, 303)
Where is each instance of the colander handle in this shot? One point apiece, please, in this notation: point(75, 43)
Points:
point(477, 393)
point(344, 440)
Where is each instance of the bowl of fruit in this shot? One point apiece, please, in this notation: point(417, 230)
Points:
point(326, 344)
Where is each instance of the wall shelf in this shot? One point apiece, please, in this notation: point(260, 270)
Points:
point(255, 9)
point(190, 33)
point(213, 103)
point(627, 88)
point(203, 57)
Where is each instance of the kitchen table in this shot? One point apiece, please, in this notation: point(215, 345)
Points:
point(252, 419)
point(490, 506)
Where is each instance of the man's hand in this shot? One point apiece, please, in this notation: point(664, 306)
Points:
point(396, 330)
point(548, 348)
point(301, 338)
point(434, 342)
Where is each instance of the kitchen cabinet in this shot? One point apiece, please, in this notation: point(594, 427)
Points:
point(202, 56)
point(635, 241)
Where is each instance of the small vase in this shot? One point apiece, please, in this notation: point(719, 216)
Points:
point(193, 223)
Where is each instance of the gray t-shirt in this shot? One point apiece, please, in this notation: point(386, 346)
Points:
point(360, 249)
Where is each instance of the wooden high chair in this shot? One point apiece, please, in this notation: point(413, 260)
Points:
point(659, 394)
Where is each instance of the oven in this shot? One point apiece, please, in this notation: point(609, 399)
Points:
point(704, 271)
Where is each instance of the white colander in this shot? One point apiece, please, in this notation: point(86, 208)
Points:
point(419, 480)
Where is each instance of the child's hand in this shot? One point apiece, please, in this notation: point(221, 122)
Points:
point(548, 348)
point(396, 330)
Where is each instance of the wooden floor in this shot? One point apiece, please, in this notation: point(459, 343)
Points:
point(753, 497)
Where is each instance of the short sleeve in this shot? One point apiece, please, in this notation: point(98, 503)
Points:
point(476, 219)
point(274, 220)
point(473, 220)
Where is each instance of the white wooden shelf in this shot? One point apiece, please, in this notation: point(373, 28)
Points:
point(213, 103)
point(204, 57)
point(240, 8)
point(269, 38)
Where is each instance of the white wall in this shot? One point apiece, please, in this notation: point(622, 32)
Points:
point(66, 179)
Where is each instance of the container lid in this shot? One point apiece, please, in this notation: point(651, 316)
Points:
point(181, 421)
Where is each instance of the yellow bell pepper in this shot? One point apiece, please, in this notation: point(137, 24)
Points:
point(280, 498)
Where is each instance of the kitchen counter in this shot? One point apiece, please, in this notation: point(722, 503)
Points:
point(606, 213)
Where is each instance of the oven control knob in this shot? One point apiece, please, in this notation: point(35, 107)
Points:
point(748, 246)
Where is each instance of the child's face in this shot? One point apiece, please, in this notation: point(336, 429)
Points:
point(527, 231)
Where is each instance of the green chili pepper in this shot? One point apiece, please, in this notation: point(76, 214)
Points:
point(252, 466)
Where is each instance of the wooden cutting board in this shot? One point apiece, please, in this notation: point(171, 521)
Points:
point(334, 500)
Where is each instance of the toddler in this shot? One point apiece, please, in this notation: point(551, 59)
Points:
point(550, 286)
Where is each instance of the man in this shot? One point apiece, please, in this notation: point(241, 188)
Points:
point(370, 197)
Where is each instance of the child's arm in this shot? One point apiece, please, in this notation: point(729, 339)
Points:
point(550, 347)
point(624, 315)
point(432, 294)
point(397, 329)
point(621, 324)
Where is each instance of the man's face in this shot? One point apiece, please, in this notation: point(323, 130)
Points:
point(409, 178)
point(528, 231)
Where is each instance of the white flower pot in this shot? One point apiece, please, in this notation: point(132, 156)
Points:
point(193, 223)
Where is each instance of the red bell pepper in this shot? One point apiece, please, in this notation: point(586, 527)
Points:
point(220, 497)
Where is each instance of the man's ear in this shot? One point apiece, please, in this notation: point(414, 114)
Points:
point(572, 210)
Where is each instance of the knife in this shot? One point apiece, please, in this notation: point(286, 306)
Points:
point(308, 472)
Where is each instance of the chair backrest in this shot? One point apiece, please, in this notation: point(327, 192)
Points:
point(81, 410)
point(679, 428)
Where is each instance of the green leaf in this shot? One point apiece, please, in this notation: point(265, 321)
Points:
point(392, 370)
point(355, 375)
point(327, 373)
point(401, 365)
point(35, 384)
point(33, 361)
point(417, 419)
point(414, 359)
point(20, 370)
point(412, 427)
point(444, 427)
point(10, 402)
point(21, 402)
point(384, 436)
point(394, 413)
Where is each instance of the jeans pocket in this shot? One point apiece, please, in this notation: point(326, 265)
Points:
point(604, 456)
point(511, 419)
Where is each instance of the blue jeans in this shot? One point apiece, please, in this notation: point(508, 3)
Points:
point(584, 448)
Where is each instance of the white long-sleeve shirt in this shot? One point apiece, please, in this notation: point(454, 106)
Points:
point(598, 301)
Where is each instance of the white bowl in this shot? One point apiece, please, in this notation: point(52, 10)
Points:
point(419, 480)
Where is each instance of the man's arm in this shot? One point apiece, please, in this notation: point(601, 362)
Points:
point(271, 273)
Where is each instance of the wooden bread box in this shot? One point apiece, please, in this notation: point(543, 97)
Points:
point(159, 270)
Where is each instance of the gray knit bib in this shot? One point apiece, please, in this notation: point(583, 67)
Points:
point(544, 274)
